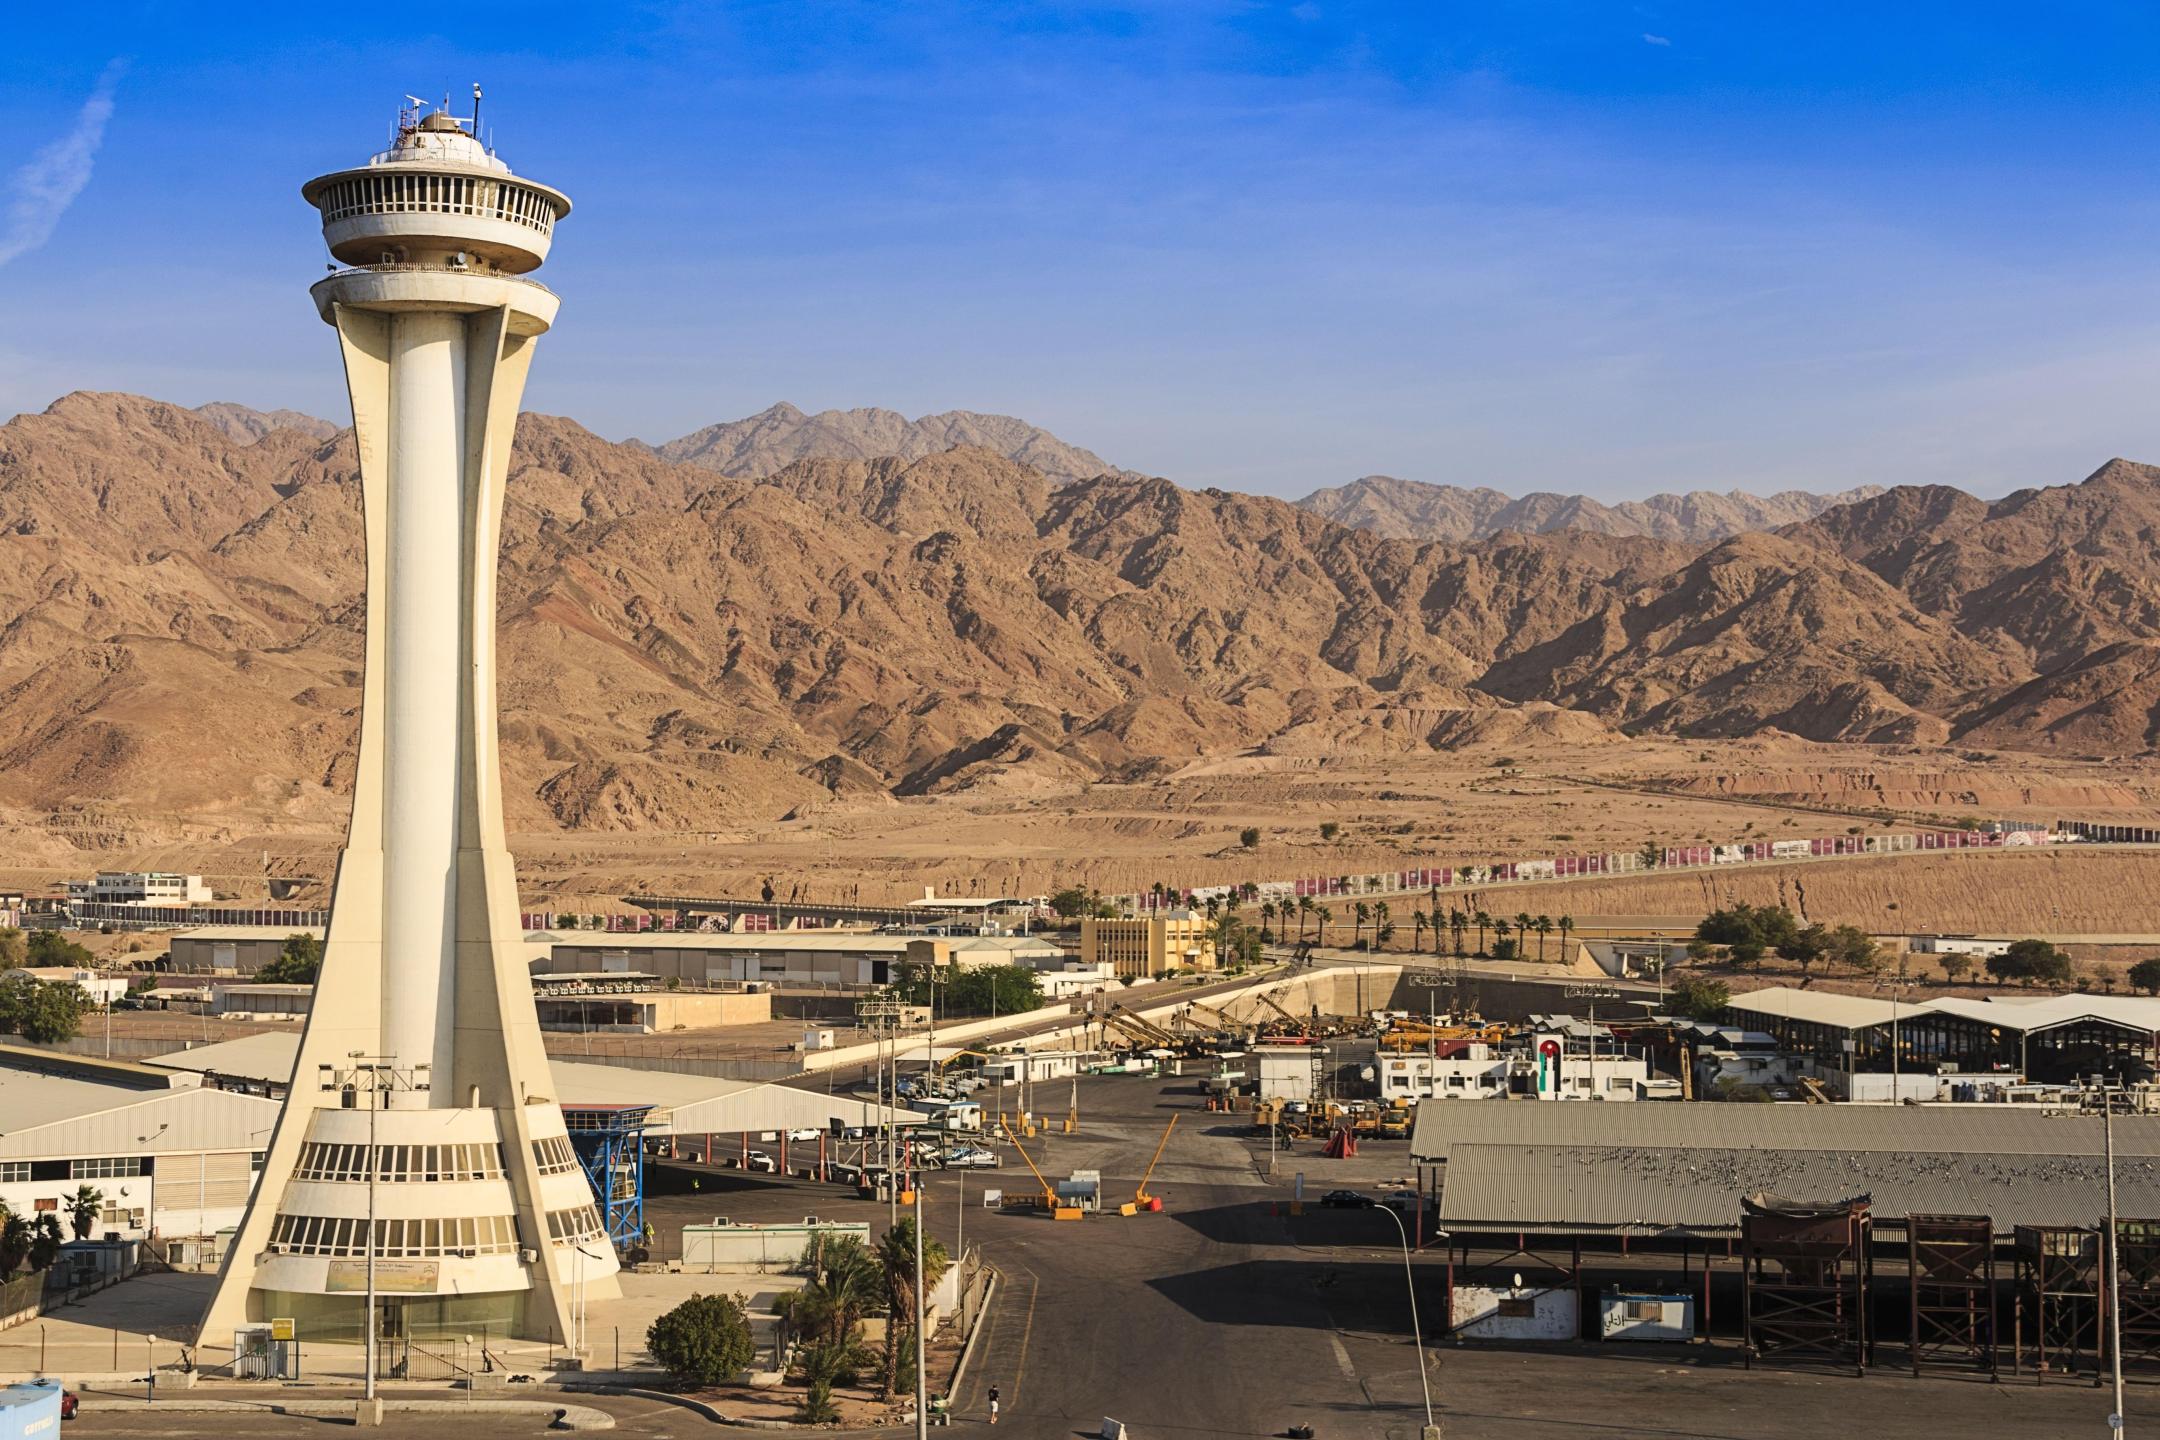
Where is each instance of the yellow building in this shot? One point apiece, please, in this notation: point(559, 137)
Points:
point(1147, 947)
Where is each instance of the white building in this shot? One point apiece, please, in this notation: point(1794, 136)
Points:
point(1971, 945)
point(140, 887)
point(1481, 1072)
point(1289, 1072)
point(102, 989)
point(178, 1161)
point(1073, 978)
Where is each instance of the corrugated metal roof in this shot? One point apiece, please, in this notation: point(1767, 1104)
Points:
point(1819, 1007)
point(2130, 1012)
point(49, 1116)
point(1608, 1189)
point(1444, 1125)
point(692, 1103)
point(245, 932)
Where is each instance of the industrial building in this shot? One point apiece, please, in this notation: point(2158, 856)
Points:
point(1648, 1170)
point(2050, 1037)
point(231, 949)
point(636, 1004)
point(698, 1105)
point(1149, 947)
point(179, 1160)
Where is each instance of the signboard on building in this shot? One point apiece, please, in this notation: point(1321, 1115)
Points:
point(392, 1277)
point(282, 1329)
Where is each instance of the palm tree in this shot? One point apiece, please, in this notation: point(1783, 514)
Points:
point(1483, 922)
point(15, 1240)
point(1304, 911)
point(83, 1209)
point(896, 1257)
point(1321, 916)
point(1417, 932)
point(1567, 926)
point(1380, 923)
point(1522, 928)
point(1500, 928)
point(1458, 921)
point(1544, 927)
point(1360, 912)
point(1267, 918)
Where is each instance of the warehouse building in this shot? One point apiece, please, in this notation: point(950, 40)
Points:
point(698, 1105)
point(177, 1161)
point(231, 949)
point(2045, 1037)
point(1668, 1170)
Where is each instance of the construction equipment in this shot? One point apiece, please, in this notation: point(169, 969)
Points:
point(1146, 1032)
point(940, 1065)
point(1814, 1090)
point(1141, 1200)
point(1049, 1191)
point(1299, 1026)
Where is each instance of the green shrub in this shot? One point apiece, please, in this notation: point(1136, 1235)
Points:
point(703, 1341)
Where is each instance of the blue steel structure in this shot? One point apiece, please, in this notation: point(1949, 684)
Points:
point(608, 1142)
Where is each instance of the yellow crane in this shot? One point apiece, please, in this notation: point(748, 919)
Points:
point(1141, 1200)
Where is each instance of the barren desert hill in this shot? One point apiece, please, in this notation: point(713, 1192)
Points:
point(682, 649)
point(781, 434)
point(1419, 510)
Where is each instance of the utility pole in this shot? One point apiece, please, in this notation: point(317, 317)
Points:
point(372, 1069)
point(1593, 993)
point(922, 1379)
point(2114, 1270)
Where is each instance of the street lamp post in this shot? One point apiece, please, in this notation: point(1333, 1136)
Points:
point(1417, 1333)
point(2114, 1267)
point(1593, 993)
point(922, 1381)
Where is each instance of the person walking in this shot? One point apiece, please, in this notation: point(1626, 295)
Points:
point(993, 1404)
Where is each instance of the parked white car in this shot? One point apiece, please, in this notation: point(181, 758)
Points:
point(806, 1132)
point(760, 1161)
point(972, 1158)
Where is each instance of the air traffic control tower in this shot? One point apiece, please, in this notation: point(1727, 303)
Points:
point(421, 1094)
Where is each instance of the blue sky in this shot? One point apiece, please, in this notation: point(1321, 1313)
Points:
point(1605, 248)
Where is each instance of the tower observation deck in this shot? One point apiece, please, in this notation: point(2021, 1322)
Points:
point(422, 1096)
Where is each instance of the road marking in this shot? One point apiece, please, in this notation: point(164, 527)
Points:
point(1342, 1358)
point(1026, 1329)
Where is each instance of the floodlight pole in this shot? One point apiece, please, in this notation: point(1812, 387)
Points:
point(1417, 1333)
point(2114, 1265)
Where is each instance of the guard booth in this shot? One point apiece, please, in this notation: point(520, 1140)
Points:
point(1081, 1191)
point(266, 1352)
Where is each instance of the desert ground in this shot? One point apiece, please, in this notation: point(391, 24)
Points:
point(1450, 808)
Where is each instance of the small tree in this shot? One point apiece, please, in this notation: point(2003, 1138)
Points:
point(1956, 967)
point(703, 1341)
point(13, 949)
point(2145, 975)
point(15, 1238)
point(1700, 999)
point(83, 1208)
point(45, 1241)
point(1329, 830)
point(1249, 837)
point(298, 962)
point(1069, 902)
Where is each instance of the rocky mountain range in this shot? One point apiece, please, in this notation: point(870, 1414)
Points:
point(1415, 510)
point(780, 435)
point(682, 649)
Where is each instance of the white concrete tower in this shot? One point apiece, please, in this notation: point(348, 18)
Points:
point(423, 1031)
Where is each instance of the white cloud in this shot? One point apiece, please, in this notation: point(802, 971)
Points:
point(41, 191)
point(1649, 39)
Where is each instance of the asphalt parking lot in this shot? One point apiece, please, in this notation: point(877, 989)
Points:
point(1225, 1315)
